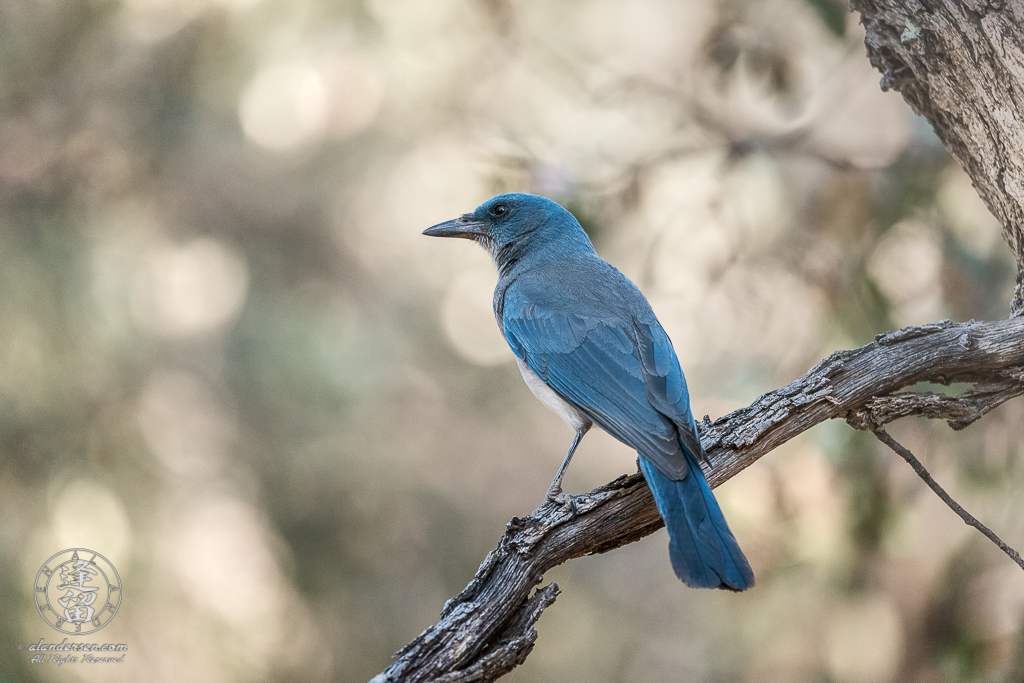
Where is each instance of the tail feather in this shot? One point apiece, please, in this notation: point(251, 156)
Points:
point(703, 551)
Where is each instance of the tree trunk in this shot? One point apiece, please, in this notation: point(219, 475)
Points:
point(961, 66)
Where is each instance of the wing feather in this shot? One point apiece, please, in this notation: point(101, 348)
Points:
point(595, 365)
point(666, 384)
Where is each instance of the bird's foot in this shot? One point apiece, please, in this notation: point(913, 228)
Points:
point(566, 500)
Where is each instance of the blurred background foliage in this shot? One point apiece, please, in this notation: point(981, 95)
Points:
point(230, 363)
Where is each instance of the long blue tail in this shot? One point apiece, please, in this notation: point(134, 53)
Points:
point(703, 551)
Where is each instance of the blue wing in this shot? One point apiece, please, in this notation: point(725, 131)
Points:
point(666, 384)
point(620, 373)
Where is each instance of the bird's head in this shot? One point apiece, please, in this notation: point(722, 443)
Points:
point(518, 229)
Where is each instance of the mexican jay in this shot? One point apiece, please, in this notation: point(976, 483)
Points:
point(591, 349)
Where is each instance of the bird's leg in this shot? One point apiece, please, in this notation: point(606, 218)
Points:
point(555, 490)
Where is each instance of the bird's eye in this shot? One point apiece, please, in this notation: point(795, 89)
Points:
point(499, 209)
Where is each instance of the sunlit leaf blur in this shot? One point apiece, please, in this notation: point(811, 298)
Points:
point(230, 363)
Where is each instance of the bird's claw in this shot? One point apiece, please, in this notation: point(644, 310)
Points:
point(566, 500)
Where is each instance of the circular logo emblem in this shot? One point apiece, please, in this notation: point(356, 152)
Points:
point(77, 591)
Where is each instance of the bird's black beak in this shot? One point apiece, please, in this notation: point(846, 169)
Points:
point(466, 226)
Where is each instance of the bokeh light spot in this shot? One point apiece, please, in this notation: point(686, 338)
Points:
point(864, 641)
point(193, 289)
point(468, 319)
point(284, 107)
point(355, 93)
point(87, 514)
point(223, 556)
point(184, 424)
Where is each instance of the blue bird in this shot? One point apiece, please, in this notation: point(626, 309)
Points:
point(591, 349)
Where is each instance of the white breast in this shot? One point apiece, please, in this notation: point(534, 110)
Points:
point(551, 400)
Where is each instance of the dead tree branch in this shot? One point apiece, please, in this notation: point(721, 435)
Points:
point(865, 421)
point(487, 629)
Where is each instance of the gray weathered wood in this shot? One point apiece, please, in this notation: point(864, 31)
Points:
point(487, 629)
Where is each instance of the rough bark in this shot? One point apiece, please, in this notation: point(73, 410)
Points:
point(487, 629)
point(960, 64)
